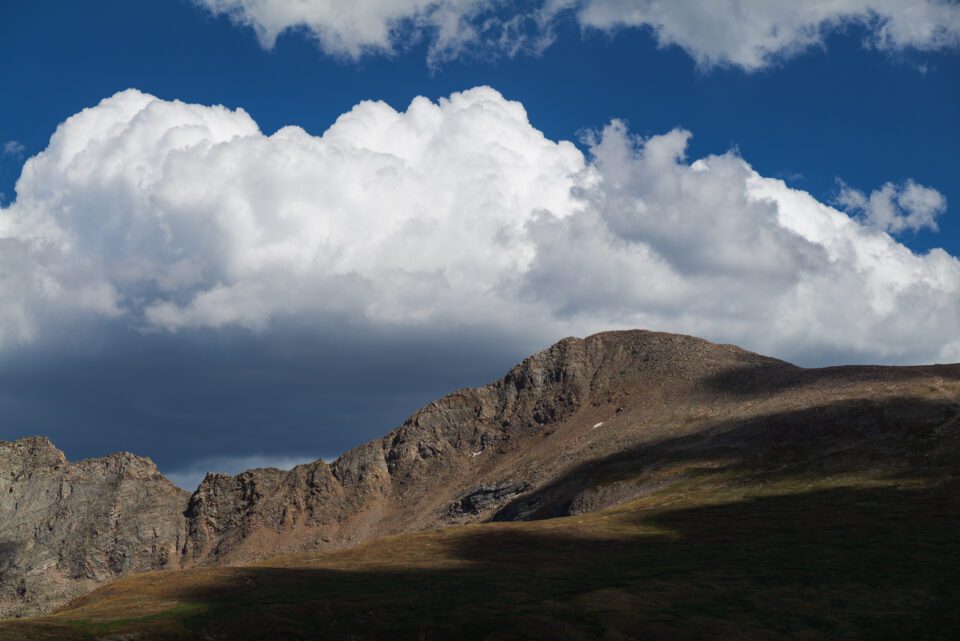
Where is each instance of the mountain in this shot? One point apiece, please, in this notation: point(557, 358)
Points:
point(467, 455)
point(65, 527)
point(604, 449)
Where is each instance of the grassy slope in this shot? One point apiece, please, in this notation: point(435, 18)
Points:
point(840, 558)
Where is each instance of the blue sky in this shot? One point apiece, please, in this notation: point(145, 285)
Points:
point(846, 106)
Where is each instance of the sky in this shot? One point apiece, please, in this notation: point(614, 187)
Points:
point(237, 233)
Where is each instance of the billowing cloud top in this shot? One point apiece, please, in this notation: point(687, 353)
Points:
point(744, 33)
point(458, 213)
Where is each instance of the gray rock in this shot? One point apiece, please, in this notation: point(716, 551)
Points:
point(67, 526)
point(487, 497)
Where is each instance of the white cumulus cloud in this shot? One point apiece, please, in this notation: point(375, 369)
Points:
point(350, 29)
point(750, 34)
point(896, 209)
point(450, 214)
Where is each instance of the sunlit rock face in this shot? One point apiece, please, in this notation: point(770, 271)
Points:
point(67, 526)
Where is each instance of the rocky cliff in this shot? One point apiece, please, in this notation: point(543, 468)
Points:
point(580, 426)
point(460, 458)
point(66, 526)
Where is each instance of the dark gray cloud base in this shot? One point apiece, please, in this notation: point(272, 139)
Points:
point(211, 398)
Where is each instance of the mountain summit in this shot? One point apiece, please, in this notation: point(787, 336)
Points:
point(582, 426)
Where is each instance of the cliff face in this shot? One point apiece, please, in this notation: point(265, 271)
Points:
point(580, 426)
point(67, 526)
point(458, 459)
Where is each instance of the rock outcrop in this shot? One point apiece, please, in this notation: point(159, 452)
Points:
point(65, 527)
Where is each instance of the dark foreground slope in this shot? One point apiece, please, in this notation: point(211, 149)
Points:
point(666, 487)
point(852, 558)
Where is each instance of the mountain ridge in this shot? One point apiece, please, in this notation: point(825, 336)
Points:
point(578, 427)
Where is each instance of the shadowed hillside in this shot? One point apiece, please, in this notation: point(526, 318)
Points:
point(630, 485)
point(831, 560)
